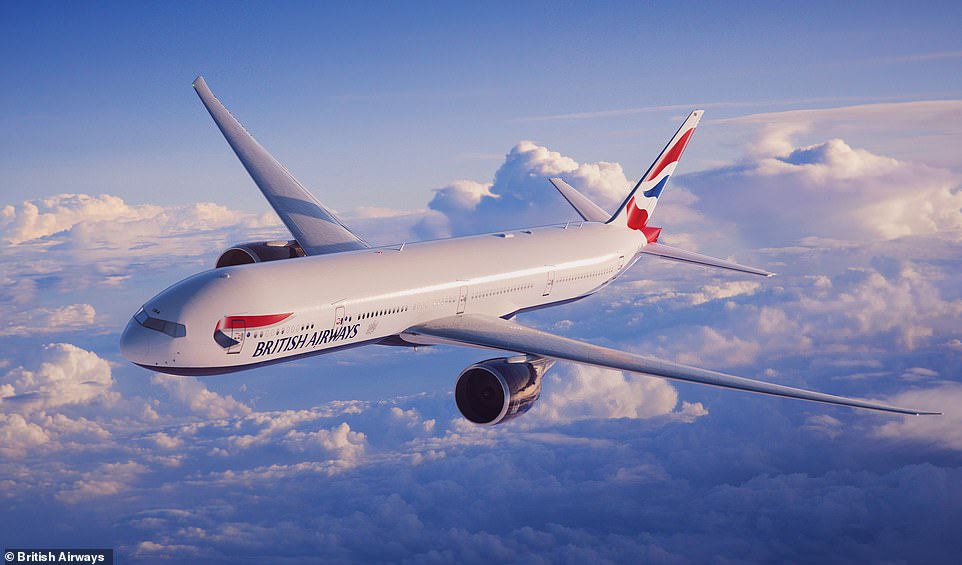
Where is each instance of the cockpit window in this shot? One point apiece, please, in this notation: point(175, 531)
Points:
point(172, 329)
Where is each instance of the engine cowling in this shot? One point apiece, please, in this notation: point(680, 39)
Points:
point(498, 390)
point(258, 252)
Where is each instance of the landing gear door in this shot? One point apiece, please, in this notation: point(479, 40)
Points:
point(237, 332)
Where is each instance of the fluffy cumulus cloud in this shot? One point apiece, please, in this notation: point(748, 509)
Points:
point(108, 220)
point(17, 435)
point(520, 194)
point(193, 395)
point(906, 303)
point(828, 190)
point(589, 392)
point(39, 399)
point(47, 216)
point(61, 374)
point(104, 241)
point(923, 131)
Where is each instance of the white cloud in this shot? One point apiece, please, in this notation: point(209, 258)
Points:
point(919, 374)
point(708, 346)
point(824, 424)
point(828, 190)
point(729, 289)
point(198, 399)
point(780, 193)
point(43, 217)
point(925, 131)
point(343, 444)
point(107, 219)
point(48, 320)
point(454, 200)
point(944, 430)
point(582, 392)
point(907, 303)
point(107, 480)
point(520, 194)
point(73, 242)
point(460, 196)
point(17, 435)
point(166, 441)
point(63, 374)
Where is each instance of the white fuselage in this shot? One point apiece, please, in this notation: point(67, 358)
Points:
point(237, 317)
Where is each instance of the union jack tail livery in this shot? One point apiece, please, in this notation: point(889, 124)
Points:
point(637, 208)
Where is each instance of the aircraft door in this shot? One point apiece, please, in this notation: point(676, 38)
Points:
point(621, 263)
point(238, 330)
point(549, 284)
point(462, 299)
point(339, 316)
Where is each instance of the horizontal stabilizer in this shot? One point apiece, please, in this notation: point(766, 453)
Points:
point(587, 209)
point(314, 227)
point(496, 333)
point(675, 254)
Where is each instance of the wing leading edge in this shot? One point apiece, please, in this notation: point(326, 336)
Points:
point(312, 225)
point(496, 333)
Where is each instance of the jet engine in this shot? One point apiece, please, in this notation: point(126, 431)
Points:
point(258, 252)
point(497, 390)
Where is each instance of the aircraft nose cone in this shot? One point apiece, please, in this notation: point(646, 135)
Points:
point(135, 343)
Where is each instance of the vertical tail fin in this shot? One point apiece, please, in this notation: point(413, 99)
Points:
point(640, 203)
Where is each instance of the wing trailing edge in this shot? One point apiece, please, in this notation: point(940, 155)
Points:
point(496, 333)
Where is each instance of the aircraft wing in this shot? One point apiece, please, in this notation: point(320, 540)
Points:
point(496, 333)
point(312, 225)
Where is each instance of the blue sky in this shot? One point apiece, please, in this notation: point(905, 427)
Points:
point(102, 94)
point(828, 154)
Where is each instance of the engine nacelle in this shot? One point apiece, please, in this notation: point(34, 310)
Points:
point(497, 390)
point(258, 252)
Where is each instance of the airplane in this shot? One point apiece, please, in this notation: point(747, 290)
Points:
point(327, 290)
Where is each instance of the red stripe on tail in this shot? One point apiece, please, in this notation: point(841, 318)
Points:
point(672, 155)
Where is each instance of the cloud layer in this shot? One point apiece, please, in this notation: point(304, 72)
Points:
point(315, 460)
